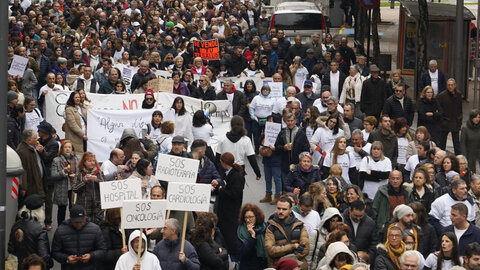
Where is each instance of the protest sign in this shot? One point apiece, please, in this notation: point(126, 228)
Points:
point(113, 193)
point(271, 132)
point(161, 85)
point(127, 75)
point(143, 214)
point(207, 49)
point(176, 169)
point(188, 197)
point(276, 89)
point(19, 63)
point(163, 74)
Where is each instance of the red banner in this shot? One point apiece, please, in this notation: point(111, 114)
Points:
point(207, 49)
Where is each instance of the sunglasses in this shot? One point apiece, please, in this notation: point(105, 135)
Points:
point(149, 99)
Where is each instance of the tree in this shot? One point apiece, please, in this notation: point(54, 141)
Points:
point(422, 30)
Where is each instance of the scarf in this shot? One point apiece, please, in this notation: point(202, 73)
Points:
point(351, 86)
point(395, 254)
point(229, 92)
point(95, 171)
point(69, 160)
point(244, 235)
point(395, 84)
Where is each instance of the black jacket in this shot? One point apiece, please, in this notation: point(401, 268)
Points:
point(51, 148)
point(210, 258)
point(15, 128)
point(207, 95)
point(373, 97)
point(300, 144)
point(342, 77)
point(366, 238)
point(113, 243)
point(35, 240)
point(452, 110)
point(430, 122)
point(306, 101)
point(238, 103)
point(68, 241)
point(394, 108)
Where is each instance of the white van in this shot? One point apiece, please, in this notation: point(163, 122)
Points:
point(299, 18)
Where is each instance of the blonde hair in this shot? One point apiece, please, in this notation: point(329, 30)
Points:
point(204, 77)
point(425, 89)
point(336, 170)
point(315, 190)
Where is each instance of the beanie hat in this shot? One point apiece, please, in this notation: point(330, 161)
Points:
point(170, 24)
point(11, 95)
point(402, 210)
point(286, 264)
point(149, 92)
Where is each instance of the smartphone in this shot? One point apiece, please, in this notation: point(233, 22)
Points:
point(144, 132)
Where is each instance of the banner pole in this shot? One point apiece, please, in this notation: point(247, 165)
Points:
point(139, 249)
point(124, 245)
point(184, 231)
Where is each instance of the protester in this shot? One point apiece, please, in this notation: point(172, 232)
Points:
point(129, 260)
point(76, 123)
point(448, 255)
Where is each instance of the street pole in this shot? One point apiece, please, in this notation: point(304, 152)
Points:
point(3, 126)
point(368, 34)
point(475, 60)
point(459, 49)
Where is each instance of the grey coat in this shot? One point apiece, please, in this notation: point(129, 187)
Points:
point(60, 179)
point(28, 82)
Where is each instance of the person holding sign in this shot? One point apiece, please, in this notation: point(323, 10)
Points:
point(113, 238)
point(260, 108)
point(168, 250)
point(229, 201)
point(128, 261)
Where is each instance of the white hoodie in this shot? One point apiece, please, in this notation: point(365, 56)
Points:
point(148, 261)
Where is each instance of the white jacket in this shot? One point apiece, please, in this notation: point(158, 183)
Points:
point(332, 251)
point(148, 261)
point(358, 82)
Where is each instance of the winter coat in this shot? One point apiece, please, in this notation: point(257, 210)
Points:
point(298, 178)
point(15, 130)
point(150, 181)
point(381, 204)
point(470, 142)
point(341, 81)
point(113, 242)
point(207, 171)
point(33, 182)
point(88, 192)
point(430, 122)
point(208, 94)
point(390, 144)
point(366, 238)
point(69, 241)
point(238, 102)
point(129, 259)
point(420, 235)
point(249, 259)
point(452, 110)
point(51, 151)
point(73, 127)
point(28, 82)
point(373, 97)
point(426, 80)
point(394, 108)
point(306, 101)
point(299, 144)
point(280, 239)
point(209, 257)
point(182, 89)
point(249, 95)
point(229, 200)
point(106, 87)
point(139, 76)
point(60, 179)
point(429, 239)
point(35, 241)
point(382, 260)
point(167, 253)
point(333, 250)
point(426, 200)
point(357, 89)
point(471, 235)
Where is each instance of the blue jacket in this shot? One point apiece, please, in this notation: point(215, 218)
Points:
point(207, 172)
point(167, 253)
point(471, 235)
point(301, 179)
point(300, 144)
point(426, 80)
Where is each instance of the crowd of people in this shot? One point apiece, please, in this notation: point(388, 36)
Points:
point(357, 183)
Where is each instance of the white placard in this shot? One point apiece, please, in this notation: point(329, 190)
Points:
point(271, 132)
point(113, 193)
point(276, 89)
point(127, 76)
point(188, 197)
point(143, 214)
point(176, 169)
point(19, 63)
point(163, 74)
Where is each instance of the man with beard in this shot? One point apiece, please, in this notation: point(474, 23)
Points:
point(178, 147)
point(321, 103)
point(167, 47)
point(471, 259)
point(388, 138)
point(373, 94)
point(282, 224)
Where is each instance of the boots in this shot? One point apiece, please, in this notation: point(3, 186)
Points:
point(275, 199)
point(267, 198)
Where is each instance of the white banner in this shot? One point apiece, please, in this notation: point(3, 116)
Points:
point(276, 89)
point(271, 132)
point(176, 169)
point(113, 193)
point(188, 197)
point(143, 214)
point(18, 65)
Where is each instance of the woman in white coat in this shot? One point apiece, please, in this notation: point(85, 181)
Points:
point(352, 89)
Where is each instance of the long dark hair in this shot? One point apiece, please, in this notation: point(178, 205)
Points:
point(455, 255)
point(142, 165)
point(237, 126)
point(202, 233)
point(70, 101)
point(199, 119)
point(337, 125)
point(182, 110)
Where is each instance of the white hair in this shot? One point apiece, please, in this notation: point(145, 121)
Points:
point(408, 253)
point(432, 62)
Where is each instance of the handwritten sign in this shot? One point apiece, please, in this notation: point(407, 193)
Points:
point(207, 49)
point(127, 75)
point(163, 74)
point(271, 132)
point(113, 193)
point(188, 197)
point(19, 63)
point(276, 89)
point(143, 214)
point(161, 85)
point(176, 169)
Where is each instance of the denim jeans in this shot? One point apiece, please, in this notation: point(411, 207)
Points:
point(276, 173)
point(257, 134)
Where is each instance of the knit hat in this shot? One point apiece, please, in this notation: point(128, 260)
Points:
point(149, 92)
point(33, 202)
point(286, 264)
point(402, 210)
point(170, 24)
point(11, 95)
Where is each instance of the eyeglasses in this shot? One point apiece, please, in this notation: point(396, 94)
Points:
point(410, 266)
point(395, 236)
point(249, 217)
point(201, 80)
point(149, 99)
point(330, 103)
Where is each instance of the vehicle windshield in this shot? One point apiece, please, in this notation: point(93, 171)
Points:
point(299, 21)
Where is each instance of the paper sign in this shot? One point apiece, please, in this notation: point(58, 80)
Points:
point(271, 132)
point(276, 89)
point(161, 85)
point(113, 193)
point(19, 63)
point(188, 197)
point(176, 169)
point(127, 75)
point(207, 49)
point(163, 74)
point(143, 214)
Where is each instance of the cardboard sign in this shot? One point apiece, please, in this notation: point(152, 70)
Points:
point(113, 193)
point(143, 214)
point(207, 49)
point(176, 169)
point(188, 197)
point(276, 89)
point(19, 63)
point(271, 132)
point(161, 85)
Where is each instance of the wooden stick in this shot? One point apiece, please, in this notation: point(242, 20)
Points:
point(139, 249)
point(124, 245)
point(168, 214)
point(74, 198)
point(184, 230)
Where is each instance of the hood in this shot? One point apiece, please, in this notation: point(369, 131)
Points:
point(254, 89)
point(334, 249)
point(469, 197)
point(128, 132)
point(133, 235)
point(233, 138)
point(470, 125)
point(329, 213)
point(162, 138)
